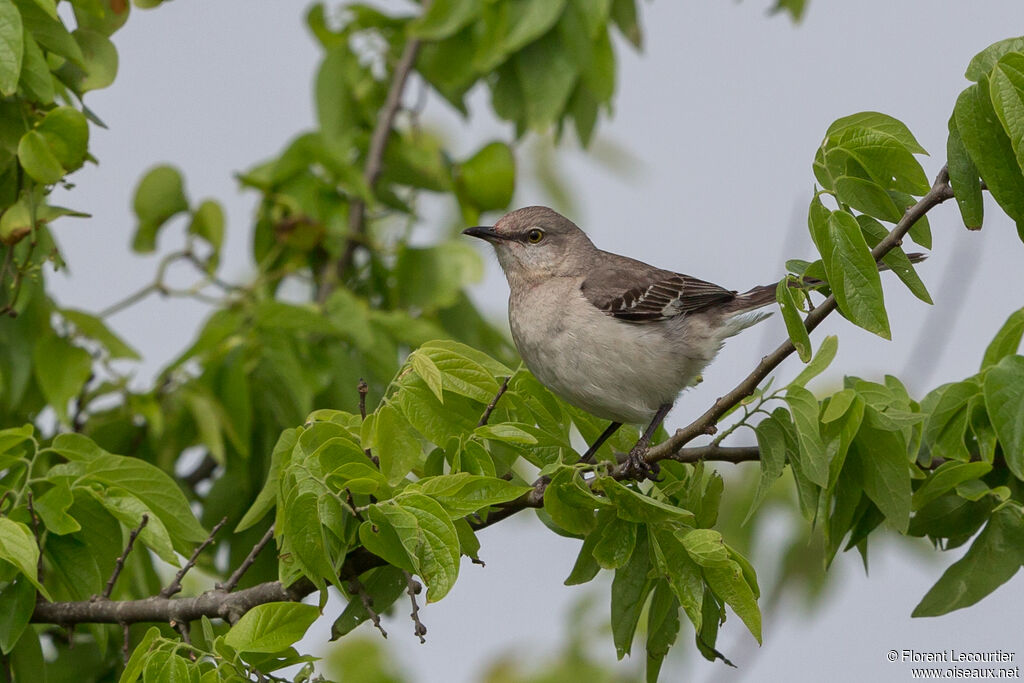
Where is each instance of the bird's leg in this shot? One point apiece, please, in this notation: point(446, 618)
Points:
point(605, 435)
point(635, 466)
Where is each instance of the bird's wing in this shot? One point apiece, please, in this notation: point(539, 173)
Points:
point(636, 292)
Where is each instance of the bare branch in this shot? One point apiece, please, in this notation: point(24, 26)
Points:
point(413, 588)
point(357, 587)
point(363, 388)
point(175, 585)
point(236, 576)
point(494, 402)
point(119, 563)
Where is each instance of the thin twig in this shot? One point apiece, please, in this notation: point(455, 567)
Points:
point(3, 499)
point(126, 650)
point(357, 587)
point(413, 588)
point(175, 585)
point(182, 628)
point(374, 164)
point(494, 401)
point(119, 563)
point(236, 576)
point(363, 388)
point(128, 301)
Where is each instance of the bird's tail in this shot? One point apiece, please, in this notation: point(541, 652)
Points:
point(764, 295)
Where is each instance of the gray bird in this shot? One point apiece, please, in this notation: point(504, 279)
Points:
point(609, 334)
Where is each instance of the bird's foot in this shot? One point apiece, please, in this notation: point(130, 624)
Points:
point(636, 467)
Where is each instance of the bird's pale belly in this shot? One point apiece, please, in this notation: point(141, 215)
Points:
point(622, 377)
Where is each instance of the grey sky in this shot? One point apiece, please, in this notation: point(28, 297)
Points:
point(723, 110)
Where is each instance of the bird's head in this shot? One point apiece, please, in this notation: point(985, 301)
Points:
point(536, 242)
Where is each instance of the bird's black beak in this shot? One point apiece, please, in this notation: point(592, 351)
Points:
point(484, 232)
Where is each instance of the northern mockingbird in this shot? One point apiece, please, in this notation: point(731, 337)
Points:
point(609, 334)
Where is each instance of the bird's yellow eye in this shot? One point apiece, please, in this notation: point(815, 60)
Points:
point(534, 236)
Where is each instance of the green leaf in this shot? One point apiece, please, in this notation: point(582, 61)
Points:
point(794, 322)
point(19, 599)
point(208, 223)
point(983, 62)
point(433, 277)
point(673, 563)
point(992, 560)
point(814, 458)
point(52, 508)
point(964, 179)
point(547, 75)
point(67, 133)
point(624, 16)
point(630, 588)
point(12, 436)
point(18, 546)
point(129, 510)
point(428, 537)
point(586, 567)
point(730, 585)
point(615, 543)
point(147, 482)
point(881, 459)
point(48, 31)
point(38, 159)
point(101, 62)
point(61, 370)
point(507, 432)
point(1004, 400)
point(853, 274)
point(271, 627)
point(302, 533)
point(771, 442)
point(166, 667)
point(662, 628)
point(267, 497)
point(887, 159)
point(945, 478)
point(95, 328)
point(396, 444)
point(822, 359)
point(946, 425)
point(133, 668)
point(529, 20)
point(12, 49)
point(443, 18)
point(881, 124)
point(159, 196)
point(488, 178)
point(707, 548)
point(36, 77)
point(1007, 340)
point(634, 506)
point(569, 502)
point(990, 148)
point(896, 259)
point(462, 494)
point(428, 372)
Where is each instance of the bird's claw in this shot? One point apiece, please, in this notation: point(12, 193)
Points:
point(636, 467)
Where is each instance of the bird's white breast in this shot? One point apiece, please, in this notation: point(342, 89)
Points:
point(612, 369)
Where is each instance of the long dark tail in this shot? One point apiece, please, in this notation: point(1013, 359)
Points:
point(763, 295)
